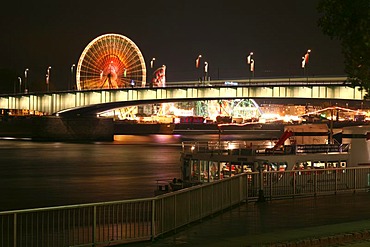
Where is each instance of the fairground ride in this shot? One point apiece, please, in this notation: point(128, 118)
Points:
point(110, 61)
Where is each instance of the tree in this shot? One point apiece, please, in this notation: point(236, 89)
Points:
point(349, 22)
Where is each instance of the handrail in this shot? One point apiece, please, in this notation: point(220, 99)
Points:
point(147, 218)
point(34, 210)
point(212, 146)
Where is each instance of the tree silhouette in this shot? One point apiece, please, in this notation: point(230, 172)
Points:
point(349, 22)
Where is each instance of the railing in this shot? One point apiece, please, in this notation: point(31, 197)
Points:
point(262, 82)
point(278, 81)
point(243, 148)
point(99, 224)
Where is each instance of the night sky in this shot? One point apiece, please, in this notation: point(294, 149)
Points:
point(175, 32)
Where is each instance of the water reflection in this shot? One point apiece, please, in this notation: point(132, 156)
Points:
point(39, 174)
point(147, 139)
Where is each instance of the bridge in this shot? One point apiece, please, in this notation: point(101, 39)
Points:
point(93, 102)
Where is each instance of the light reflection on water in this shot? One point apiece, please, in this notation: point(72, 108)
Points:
point(39, 174)
point(148, 139)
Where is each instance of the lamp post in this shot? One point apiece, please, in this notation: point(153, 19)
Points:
point(205, 71)
point(152, 72)
point(250, 61)
point(72, 73)
point(197, 63)
point(152, 63)
point(20, 84)
point(305, 60)
point(48, 79)
point(26, 80)
point(47, 83)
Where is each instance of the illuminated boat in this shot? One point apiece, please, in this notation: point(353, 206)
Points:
point(301, 147)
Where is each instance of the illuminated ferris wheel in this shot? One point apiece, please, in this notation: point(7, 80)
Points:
point(110, 61)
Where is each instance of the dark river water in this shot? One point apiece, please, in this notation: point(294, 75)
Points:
point(40, 174)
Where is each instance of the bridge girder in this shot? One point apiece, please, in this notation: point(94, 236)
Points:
point(95, 101)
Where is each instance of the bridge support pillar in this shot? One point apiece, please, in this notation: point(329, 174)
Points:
point(73, 128)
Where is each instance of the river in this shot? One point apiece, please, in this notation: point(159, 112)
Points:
point(42, 174)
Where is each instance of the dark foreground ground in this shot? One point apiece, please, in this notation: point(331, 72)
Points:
point(333, 220)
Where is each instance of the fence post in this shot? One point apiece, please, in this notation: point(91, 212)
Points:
point(94, 226)
point(213, 199)
point(315, 183)
point(153, 220)
point(230, 191)
point(294, 183)
point(15, 230)
point(189, 207)
point(271, 181)
point(354, 181)
point(201, 201)
point(261, 196)
point(336, 181)
point(241, 191)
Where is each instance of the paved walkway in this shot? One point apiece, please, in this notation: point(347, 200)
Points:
point(288, 220)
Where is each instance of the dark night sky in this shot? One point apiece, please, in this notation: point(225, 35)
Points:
point(36, 35)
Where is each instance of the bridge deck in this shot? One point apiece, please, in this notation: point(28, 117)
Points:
point(92, 102)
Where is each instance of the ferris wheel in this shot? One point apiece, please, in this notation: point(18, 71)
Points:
point(110, 61)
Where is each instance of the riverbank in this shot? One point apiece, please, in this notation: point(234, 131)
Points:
point(313, 221)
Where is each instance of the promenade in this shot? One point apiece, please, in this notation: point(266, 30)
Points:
point(288, 221)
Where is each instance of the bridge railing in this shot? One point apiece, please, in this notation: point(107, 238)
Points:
point(320, 80)
point(297, 81)
point(98, 224)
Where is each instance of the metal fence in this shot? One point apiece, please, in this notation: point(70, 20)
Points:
point(100, 224)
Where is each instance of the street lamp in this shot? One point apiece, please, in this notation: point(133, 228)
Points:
point(305, 60)
point(20, 84)
point(25, 80)
point(197, 63)
point(152, 63)
point(152, 72)
point(47, 83)
point(250, 61)
point(48, 79)
point(72, 81)
point(205, 71)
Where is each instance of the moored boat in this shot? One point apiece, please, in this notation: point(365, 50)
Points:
point(299, 148)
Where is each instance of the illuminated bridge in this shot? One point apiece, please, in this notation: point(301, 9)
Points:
point(92, 102)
